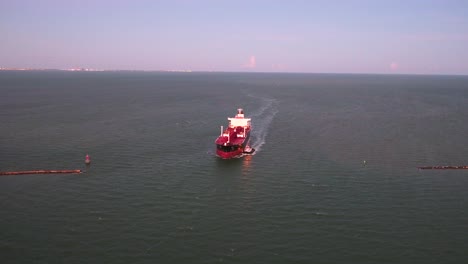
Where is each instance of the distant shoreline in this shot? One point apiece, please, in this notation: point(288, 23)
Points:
point(86, 70)
point(190, 71)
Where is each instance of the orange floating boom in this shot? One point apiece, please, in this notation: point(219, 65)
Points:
point(6, 173)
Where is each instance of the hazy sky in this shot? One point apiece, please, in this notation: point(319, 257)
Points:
point(412, 36)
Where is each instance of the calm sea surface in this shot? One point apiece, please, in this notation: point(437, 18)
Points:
point(155, 192)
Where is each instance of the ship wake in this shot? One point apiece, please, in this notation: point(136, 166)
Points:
point(261, 121)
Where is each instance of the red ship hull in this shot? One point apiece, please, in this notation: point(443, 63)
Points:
point(232, 141)
point(231, 150)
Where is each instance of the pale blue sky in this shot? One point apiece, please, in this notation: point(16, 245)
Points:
point(421, 37)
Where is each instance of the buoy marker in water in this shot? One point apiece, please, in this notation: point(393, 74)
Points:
point(87, 159)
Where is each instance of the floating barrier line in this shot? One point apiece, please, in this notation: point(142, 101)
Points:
point(6, 173)
point(443, 168)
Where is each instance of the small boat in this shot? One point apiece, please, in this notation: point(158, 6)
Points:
point(248, 150)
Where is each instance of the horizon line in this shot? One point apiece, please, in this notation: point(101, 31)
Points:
point(220, 71)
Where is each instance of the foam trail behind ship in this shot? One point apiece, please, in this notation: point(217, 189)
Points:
point(261, 121)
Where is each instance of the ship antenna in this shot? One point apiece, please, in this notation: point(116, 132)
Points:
point(221, 130)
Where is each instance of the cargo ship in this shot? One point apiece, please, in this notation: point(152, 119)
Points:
point(233, 141)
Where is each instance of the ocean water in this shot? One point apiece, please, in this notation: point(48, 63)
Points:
point(156, 193)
